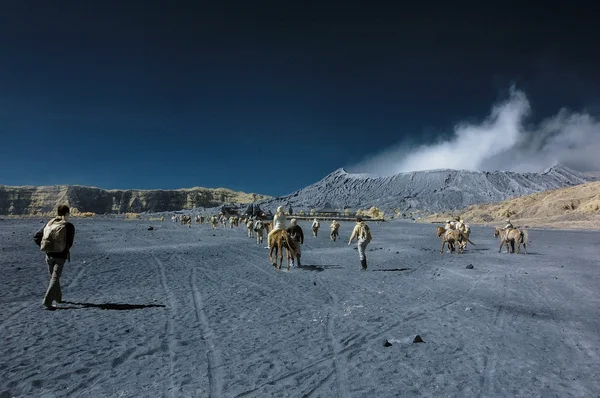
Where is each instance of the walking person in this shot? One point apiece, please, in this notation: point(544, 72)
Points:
point(56, 239)
point(362, 233)
point(335, 230)
point(295, 232)
point(315, 227)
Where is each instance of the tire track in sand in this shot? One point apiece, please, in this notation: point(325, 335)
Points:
point(490, 360)
point(208, 272)
point(304, 369)
point(339, 362)
point(169, 328)
point(214, 356)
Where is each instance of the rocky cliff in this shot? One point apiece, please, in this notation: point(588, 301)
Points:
point(35, 200)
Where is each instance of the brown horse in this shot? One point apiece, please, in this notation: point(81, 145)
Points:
point(439, 231)
point(186, 220)
point(514, 235)
point(268, 225)
point(278, 241)
point(452, 237)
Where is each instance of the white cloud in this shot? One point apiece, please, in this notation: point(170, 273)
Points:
point(501, 142)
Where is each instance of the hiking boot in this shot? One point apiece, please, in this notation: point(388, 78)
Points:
point(299, 264)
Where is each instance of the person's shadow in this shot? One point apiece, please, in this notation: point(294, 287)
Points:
point(107, 306)
point(318, 268)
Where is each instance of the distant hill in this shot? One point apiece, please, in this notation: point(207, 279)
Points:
point(29, 200)
point(424, 191)
point(575, 207)
point(595, 174)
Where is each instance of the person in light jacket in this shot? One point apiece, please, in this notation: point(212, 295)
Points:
point(315, 227)
point(362, 233)
point(279, 221)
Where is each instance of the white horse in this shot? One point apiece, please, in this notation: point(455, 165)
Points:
point(260, 229)
point(250, 228)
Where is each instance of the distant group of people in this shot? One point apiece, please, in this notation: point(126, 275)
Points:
point(57, 236)
point(459, 224)
point(361, 232)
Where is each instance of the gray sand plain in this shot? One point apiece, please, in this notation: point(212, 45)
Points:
point(194, 312)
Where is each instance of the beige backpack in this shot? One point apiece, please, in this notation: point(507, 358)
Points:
point(54, 238)
point(365, 233)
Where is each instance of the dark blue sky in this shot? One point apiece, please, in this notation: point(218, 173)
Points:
point(217, 94)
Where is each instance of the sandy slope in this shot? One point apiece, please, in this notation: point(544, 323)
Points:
point(575, 207)
point(223, 323)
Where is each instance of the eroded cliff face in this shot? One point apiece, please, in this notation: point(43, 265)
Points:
point(36, 200)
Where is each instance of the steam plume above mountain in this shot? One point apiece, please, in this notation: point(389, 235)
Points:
point(502, 141)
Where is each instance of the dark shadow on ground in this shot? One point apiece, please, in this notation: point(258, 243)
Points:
point(319, 268)
point(524, 254)
point(109, 306)
point(393, 269)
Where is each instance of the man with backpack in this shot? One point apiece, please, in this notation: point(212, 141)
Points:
point(335, 230)
point(56, 239)
point(362, 233)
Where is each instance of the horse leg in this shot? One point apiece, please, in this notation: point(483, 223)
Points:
point(443, 244)
point(273, 248)
point(280, 253)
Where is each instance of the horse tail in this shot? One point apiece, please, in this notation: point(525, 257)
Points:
point(525, 237)
point(467, 238)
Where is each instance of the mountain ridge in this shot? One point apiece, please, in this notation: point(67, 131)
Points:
point(427, 191)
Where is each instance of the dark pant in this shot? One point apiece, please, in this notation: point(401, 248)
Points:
point(53, 293)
